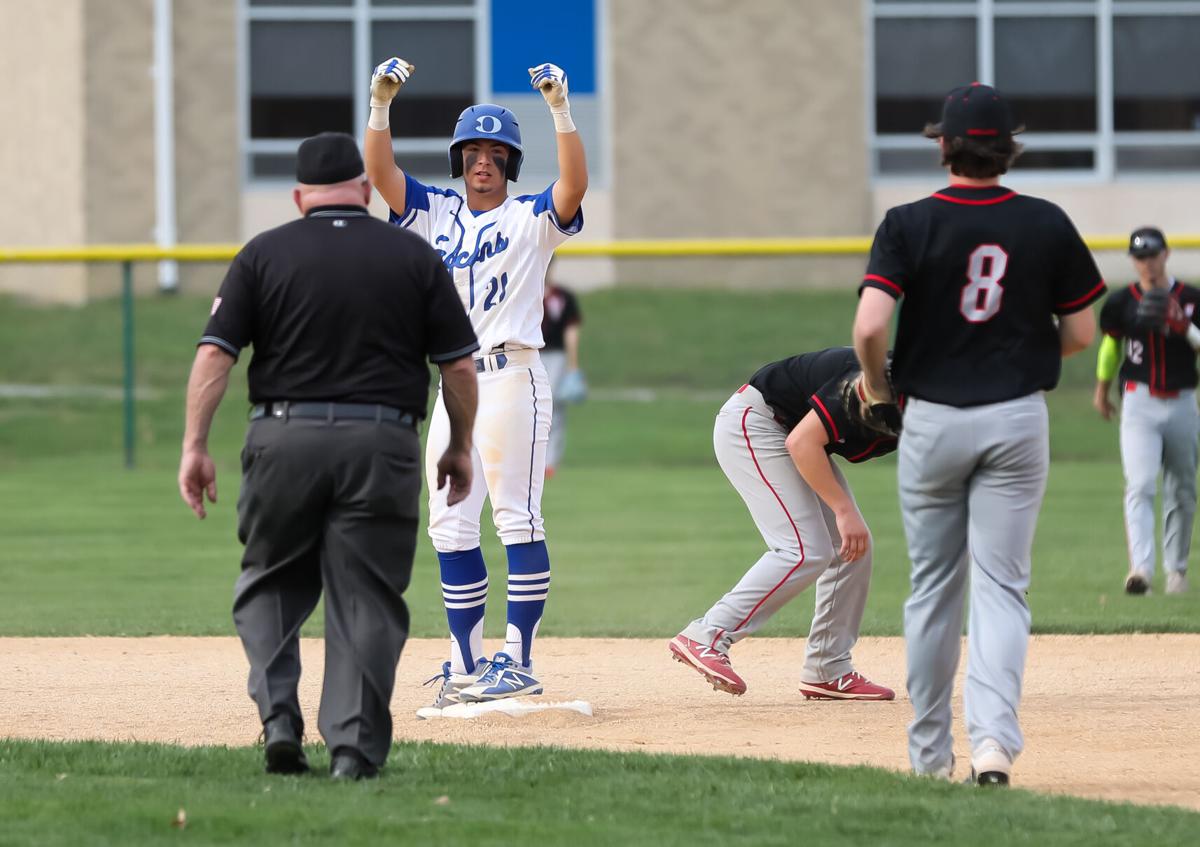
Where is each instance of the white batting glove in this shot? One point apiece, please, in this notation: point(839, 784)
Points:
point(551, 80)
point(385, 85)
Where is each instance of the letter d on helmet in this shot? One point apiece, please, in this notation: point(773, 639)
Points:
point(486, 122)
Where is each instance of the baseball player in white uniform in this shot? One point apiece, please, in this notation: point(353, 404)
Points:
point(497, 248)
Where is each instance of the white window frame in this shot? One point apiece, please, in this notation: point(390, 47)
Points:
point(360, 14)
point(1103, 142)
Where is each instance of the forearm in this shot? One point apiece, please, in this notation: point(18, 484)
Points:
point(872, 323)
point(378, 156)
point(1108, 359)
point(571, 345)
point(572, 170)
point(1076, 331)
point(460, 393)
point(206, 386)
point(816, 468)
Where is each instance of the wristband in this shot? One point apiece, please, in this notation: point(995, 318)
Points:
point(562, 121)
point(379, 117)
point(1193, 336)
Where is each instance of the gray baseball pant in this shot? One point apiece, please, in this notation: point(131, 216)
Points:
point(802, 540)
point(971, 484)
point(1159, 432)
point(556, 367)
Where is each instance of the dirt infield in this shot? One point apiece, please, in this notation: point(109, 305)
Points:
point(1110, 716)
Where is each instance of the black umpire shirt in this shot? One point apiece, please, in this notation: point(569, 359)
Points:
point(340, 307)
point(983, 272)
point(814, 382)
point(1165, 363)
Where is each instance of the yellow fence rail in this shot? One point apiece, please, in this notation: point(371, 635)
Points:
point(662, 248)
point(127, 254)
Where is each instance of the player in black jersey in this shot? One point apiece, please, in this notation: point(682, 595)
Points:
point(774, 439)
point(1159, 422)
point(996, 289)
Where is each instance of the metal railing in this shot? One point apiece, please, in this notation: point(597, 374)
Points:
point(127, 254)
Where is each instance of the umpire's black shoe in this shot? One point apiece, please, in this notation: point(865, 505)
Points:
point(348, 763)
point(283, 751)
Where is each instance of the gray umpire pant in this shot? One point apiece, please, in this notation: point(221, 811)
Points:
point(333, 505)
point(1159, 432)
point(802, 541)
point(971, 485)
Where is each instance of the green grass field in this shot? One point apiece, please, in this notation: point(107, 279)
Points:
point(644, 532)
point(640, 514)
point(121, 794)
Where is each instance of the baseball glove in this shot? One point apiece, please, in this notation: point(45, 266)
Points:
point(1153, 309)
point(883, 418)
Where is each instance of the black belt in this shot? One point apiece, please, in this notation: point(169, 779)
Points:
point(333, 411)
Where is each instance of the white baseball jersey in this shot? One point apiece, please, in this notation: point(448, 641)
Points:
point(498, 258)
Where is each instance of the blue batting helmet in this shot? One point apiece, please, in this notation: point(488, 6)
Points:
point(486, 122)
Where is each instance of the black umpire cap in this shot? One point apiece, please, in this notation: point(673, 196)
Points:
point(328, 158)
point(1147, 241)
point(975, 111)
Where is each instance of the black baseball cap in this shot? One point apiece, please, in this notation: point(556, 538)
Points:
point(1147, 241)
point(328, 158)
point(975, 111)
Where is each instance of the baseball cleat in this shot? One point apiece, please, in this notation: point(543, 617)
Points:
point(990, 765)
point(1177, 582)
point(502, 677)
point(1137, 583)
point(852, 686)
point(452, 684)
point(712, 664)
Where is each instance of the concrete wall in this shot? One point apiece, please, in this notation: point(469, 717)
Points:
point(737, 120)
point(1101, 209)
point(42, 148)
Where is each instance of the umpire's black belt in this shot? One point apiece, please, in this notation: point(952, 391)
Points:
point(333, 412)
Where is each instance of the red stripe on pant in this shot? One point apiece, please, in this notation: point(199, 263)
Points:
point(795, 529)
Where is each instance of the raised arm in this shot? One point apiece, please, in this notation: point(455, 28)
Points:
point(572, 162)
point(382, 169)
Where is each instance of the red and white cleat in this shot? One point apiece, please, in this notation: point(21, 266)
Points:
point(852, 686)
point(712, 664)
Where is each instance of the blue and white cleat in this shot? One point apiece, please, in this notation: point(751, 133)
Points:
point(502, 678)
point(451, 687)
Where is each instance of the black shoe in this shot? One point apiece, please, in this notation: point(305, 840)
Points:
point(348, 763)
point(1137, 583)
point(283, 751)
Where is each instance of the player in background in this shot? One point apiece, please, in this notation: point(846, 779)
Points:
point(1156, 317)
point(996, 289)
point(497, 248)
point(561, 329)
point(775, 439)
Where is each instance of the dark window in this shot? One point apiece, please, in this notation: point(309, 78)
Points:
point(300, 78)
point(1162, 158)
point(1156, 73)
point(909, 162)
point(916, 62)
point(1046, 67)
point(443, 53)
point(1057, 160)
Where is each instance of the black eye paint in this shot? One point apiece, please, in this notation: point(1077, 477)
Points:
point(472, 158)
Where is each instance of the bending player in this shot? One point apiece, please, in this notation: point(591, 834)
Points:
point(497, 248)
point(774, 439)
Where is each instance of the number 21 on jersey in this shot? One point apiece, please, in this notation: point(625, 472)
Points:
point(983, 292)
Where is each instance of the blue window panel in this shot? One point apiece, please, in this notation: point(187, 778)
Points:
point(525, 33)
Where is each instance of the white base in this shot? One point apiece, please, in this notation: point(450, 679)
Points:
point(513, 707)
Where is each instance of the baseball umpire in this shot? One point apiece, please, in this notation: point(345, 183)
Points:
point(996, 289)
point(1156, 317)
point(775, 439)
point(341, 310)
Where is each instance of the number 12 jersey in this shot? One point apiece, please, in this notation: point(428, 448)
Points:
point(983, 273)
